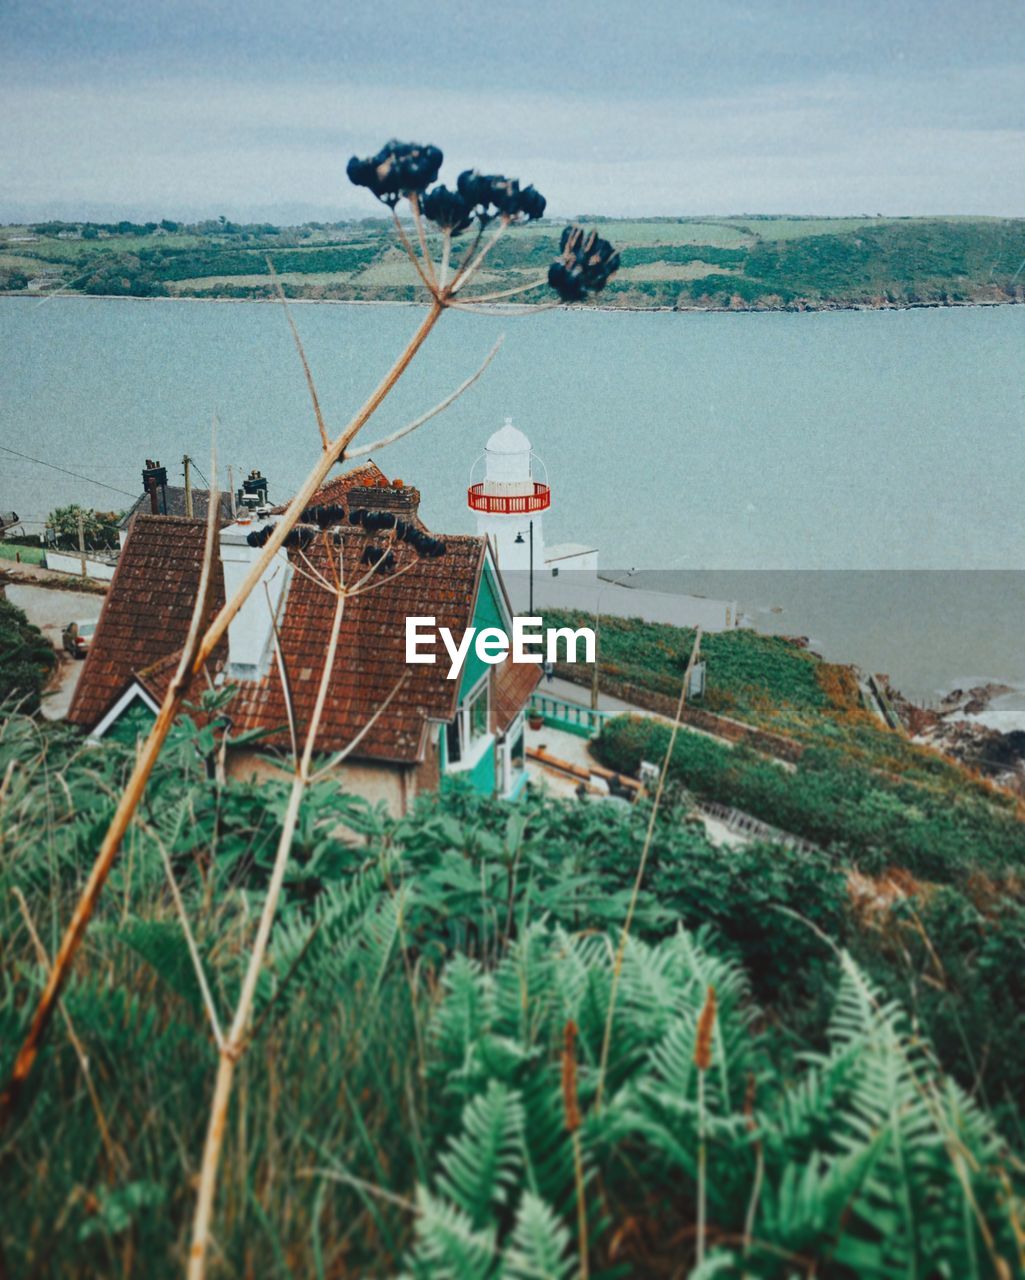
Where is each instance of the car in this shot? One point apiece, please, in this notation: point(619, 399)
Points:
point(76, 636)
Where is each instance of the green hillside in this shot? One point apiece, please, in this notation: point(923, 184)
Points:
point(737, 262)
point(796, 1070)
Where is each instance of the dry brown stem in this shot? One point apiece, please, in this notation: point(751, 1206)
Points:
point(198, 649)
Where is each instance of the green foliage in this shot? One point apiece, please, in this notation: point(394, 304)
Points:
point(402, 1105)
point(835, 801)
point(745, 668)
point(99, 527)
point(26, 659)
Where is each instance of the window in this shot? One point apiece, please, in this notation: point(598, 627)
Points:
point(471, 727)
point(453, 739)
point(477, 713)
point(511, 759)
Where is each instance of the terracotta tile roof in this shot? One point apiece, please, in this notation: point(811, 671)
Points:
point(366, 474)
point(371, 655)
point(514, 683)
point(146, 614)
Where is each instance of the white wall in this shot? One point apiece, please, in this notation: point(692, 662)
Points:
point(513, 556)
point(68, 562)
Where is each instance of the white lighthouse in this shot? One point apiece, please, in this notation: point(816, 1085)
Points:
point(509, 502)
point(509, 498)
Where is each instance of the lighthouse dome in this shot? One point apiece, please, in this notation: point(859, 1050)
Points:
point(507, 461)
point(508, 439)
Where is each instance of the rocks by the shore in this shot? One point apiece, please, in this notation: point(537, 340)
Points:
point(1000, 755)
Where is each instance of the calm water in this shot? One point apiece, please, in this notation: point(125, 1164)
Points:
point(846, 440)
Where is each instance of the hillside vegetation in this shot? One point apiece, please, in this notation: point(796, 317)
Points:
point(740, 262)
point(794, 1083)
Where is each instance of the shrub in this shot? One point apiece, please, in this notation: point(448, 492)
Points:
point(26, 659)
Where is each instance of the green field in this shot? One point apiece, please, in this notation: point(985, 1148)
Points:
point(737, 263)
point(27, 555)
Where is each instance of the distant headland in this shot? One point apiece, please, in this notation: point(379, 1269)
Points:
point(754, 262)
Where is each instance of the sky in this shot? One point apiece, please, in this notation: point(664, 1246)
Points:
point(618, 107)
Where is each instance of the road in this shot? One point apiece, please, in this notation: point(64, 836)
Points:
point(51, 611)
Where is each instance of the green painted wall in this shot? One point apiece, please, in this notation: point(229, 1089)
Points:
point(488, 613)
point(481, 777)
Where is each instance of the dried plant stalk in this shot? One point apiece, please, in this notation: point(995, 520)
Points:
point(703, 1060)
point(233, 1047)
point(123, 815)
point(198, 649)
point(76, 1043)
point(572, 1120)
point(238, 1039)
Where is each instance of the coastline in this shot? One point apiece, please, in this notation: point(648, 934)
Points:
point(814, 308)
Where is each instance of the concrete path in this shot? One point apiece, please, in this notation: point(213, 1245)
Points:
point(578, 693)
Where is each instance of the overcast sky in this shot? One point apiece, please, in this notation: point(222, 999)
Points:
point(609, 106)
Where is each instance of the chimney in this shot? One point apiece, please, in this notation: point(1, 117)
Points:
point(154, 477)
point(251, 631)
point(253, 493)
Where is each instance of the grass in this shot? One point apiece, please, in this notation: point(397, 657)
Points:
point(27, 555)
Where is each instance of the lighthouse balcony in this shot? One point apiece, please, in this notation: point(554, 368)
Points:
point(509, 503)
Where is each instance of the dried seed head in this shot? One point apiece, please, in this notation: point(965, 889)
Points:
point(703, 1039)
point(484, 192)
point(586, 266)
point(750, 1096)
point(570, 1101)
point(447, 209)
point(398, 169)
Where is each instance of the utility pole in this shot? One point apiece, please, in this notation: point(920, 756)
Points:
point(231, 488)
point(81, 539)
point(532, 568)
point(597, 653)
point(187, 464)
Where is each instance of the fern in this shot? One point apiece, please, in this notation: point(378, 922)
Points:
point(448, 1246)
point(484, 1161)
point(463, 1015)
point(162, 944)
point(538, 1248)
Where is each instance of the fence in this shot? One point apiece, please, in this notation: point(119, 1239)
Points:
point(572, 717)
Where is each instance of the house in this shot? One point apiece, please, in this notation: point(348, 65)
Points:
point(433, 729)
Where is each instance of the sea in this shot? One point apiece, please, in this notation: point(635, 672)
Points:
point(856, 477)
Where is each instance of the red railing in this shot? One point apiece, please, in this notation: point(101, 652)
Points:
point(509, 504)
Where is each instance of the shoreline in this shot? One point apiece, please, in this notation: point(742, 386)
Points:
point(504, 309)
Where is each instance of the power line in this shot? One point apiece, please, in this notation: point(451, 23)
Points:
point(77, 476)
